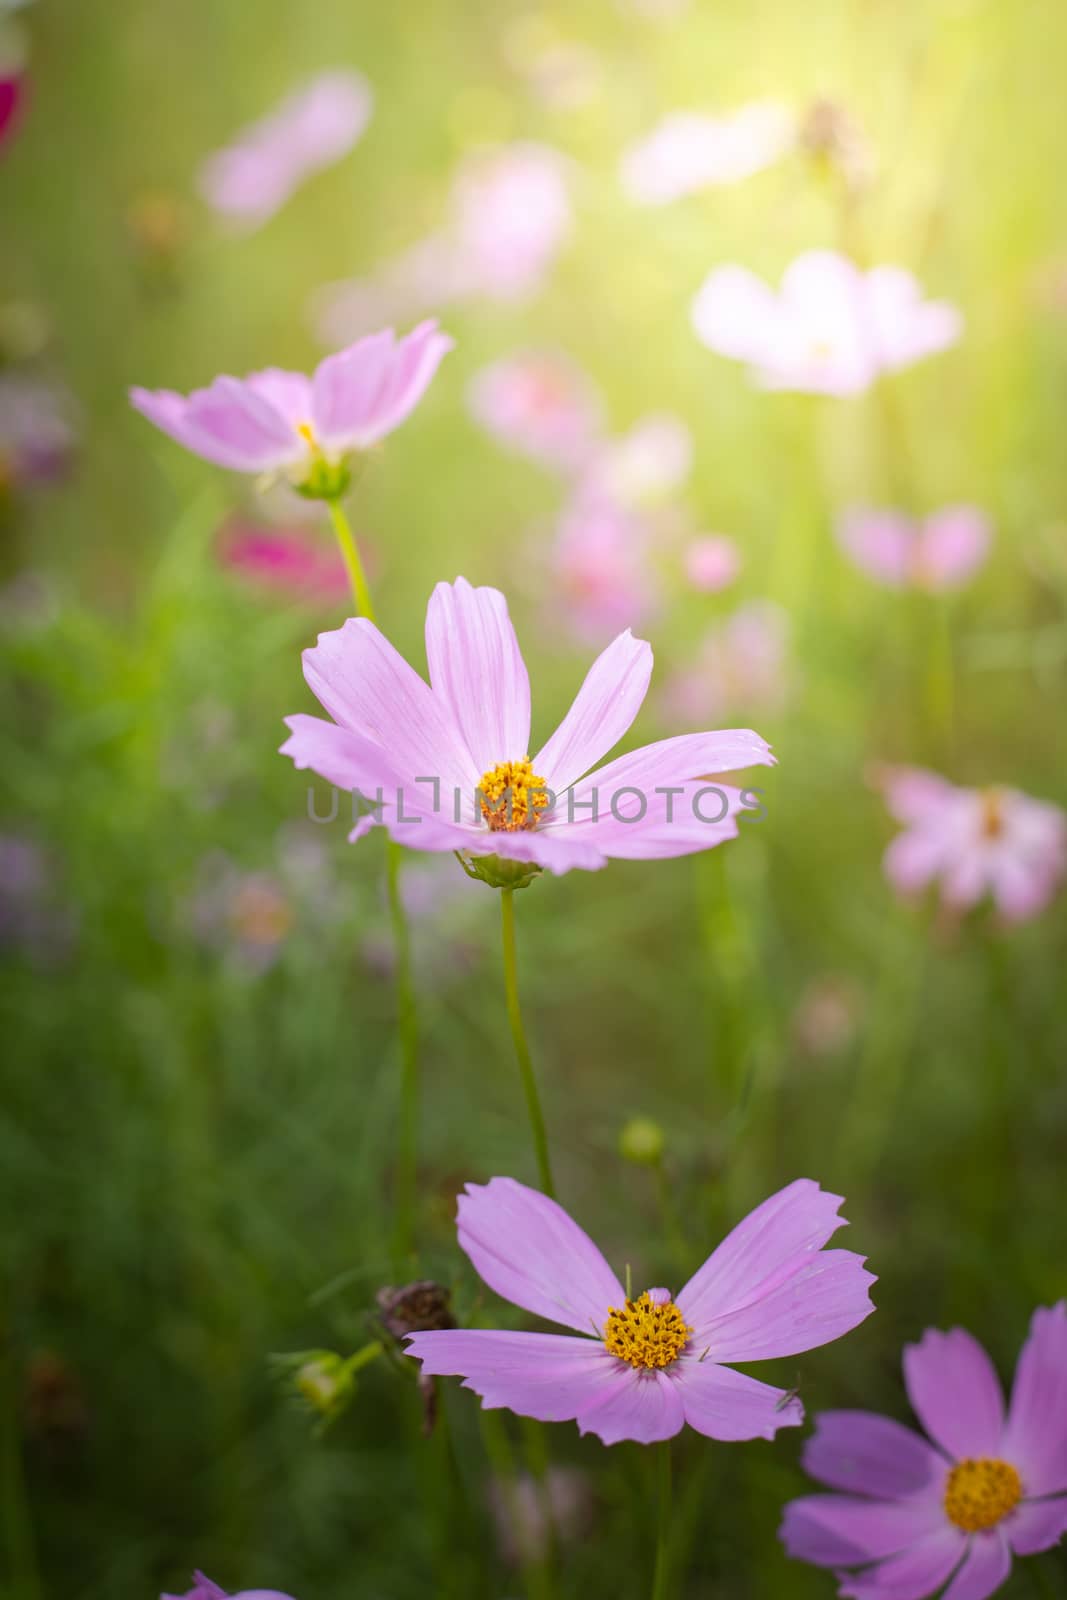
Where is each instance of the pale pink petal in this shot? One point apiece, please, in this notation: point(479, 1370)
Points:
point(966, 877)
point(723, 1404)
point(912, 794)
point(366, 685)
point(603, 710)
point(954, 543)
point(834, 1530)
point(288, 392)
point(824, 1296)
point(346, 388)
point(526, 1248)
point(986, 1567)
point(913, 1574)
point(633, 822)
point(761, 1252)
point(867, 1454)
point(1036, 1434)
point(684, 757)
point(417, 360)
point(906, 327)
point(955, 1393)
point(554, 849)
point(881, 543)
point(914, 858)
point(342, 756)
point(645, 1406)
point(1037, 1525)
point(245, 430)
point(553, 1377)
point(168, 412)
point(735, 314)
point(477, 672)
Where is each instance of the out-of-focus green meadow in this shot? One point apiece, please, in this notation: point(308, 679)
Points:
point(196, 1141)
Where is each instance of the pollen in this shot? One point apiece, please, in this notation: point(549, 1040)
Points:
point(992, 813)
point(979, 1492)
point(647, 1332)
point(307, 433)
point(511, 795)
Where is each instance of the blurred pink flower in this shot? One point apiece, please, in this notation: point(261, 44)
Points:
point(915, 1513)
point(711, 563)
point(833, 329)
point(291, 560)
point(976, 842)
point(539, 403)
point(642, 1369)
point(939, 552)
point(446, 764)
point(646, 463)
point(600, 570)
point(741, 664)
point(827, 1016)
point(525, 1526)
point(510, 214)
point(11, 98)
point(690, 150)
point(204, 1589)
point(275, 421)
point(311, 129)
point(37, 431)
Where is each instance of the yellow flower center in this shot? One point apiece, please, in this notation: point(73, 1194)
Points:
point(992, 813)
point(980, 1492)
point(511, 795)
point(307, 433)
point(647, 1332)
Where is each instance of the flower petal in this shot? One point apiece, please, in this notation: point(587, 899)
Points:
point(417, 360)
point(737, 315)
point(632, 823)
point(477, 671)
point(528, 1249)
point(233, 425)
point(825, 1297)
point(545, 846)
point(913, 1574)
point(987, 1566)
point(603, 710)
point(367, 686)
point(674, 761)
point(1037, 1525)
point(645, 1406)
point(867, 1454)
point(729, 1405)
point(346, 389)
point(551, 1376)
point(836, 1530)
point(761, 1251)
point(1036, 1434)
point(341, 756)
point(955, 1393)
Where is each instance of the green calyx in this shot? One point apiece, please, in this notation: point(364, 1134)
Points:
point(497, 872)
point(326, 480)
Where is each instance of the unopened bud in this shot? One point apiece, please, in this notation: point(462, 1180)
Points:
point(642, 1141)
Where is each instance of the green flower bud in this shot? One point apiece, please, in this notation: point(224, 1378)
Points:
point(642, 1141)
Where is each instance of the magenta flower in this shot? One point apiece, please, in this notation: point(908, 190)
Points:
point(284, 422)
point(312, 128)
point(11, 96)
point(976, 842)
point(446, 765)
point(939, 552)
point(290, 560)
point(833, 329)
point(540, 404)
point(689, 151)
point(916, 1515)
point(642, 1368)
point(204, 1589)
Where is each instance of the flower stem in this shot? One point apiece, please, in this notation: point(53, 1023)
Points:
point(663, 1476)
point(350, 554)
point(407, 1156)
point(522, 1050)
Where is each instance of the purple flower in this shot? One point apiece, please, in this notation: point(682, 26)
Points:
point(689, 151)
point(312, 128)
point(204, 1589)
point(939, 552)
point(37, 431)
point(451, 758)
point(915, 1515)
point(833, 329)
point(993, 841)
point(276, 421)
point(642, 1368)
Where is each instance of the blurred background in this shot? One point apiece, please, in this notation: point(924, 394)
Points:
point(200, 1088)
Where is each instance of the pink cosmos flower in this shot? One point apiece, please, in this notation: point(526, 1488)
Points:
point(646, 464)
point(204, 1589)
point(446, 765)
point(541, 404)
point(290, 560)
point(993, 841)
point(642, 1368)
point(600, 568)
point(916, 1515)
point(11, 95)
point(689, 151)
point(284, 422)
point(312, 128)
point(711, 563)
point(741, 662)
point(833, 329)
point(940, 552)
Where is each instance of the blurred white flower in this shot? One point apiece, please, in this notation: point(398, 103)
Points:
point(691, 150)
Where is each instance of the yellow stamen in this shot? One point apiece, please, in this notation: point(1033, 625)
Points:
point(511, 794)
point(992, 814)
point(980, 1492)
point(307, 433)
point(646, 1333)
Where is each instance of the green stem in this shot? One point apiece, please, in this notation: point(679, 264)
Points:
point(350, 554)
point(408, 1144)
point(663, 1526)
point(522, 1050)
point(407, 1157)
